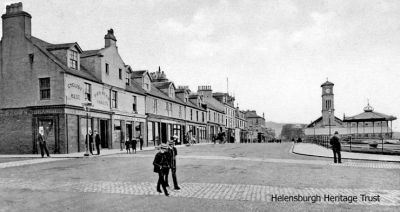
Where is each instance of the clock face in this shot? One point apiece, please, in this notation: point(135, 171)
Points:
point(328, 90)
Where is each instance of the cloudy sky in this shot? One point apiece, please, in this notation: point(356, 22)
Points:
point(276, 54)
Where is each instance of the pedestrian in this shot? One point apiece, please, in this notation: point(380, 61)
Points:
point(127, 146)
point(90, 144)
point(336, 148)
point(172, 153)
point(161, 166)
point(42, 144)
point(133, 143)
point(97, 141)
point(141, 142)
point(299, 140)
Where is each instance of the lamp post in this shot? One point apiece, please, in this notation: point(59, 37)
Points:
point(86, 106)
point(330, 112)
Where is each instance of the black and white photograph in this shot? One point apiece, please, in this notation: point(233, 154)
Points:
point(199, 105)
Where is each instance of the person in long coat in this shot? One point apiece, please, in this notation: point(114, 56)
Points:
point(336, 147)
point(172, 153)
point(97, 141)
point(43, 145)
point(90, 136)
point(161, 165)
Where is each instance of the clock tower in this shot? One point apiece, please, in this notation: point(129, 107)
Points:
point(328, 106)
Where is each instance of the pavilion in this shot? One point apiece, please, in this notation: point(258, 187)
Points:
point(369, 124)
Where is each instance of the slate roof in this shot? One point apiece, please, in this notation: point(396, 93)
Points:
point(90, 53)
point(214, 104)
point(62, 46)
point(43, 45)
point(370, 116)
point(138, 73)
point(135, 88)
point(162, 85)
point(320, 119)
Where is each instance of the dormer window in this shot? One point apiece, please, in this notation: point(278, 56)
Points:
point(146, 83)
point(73, 59)
point(171, 92)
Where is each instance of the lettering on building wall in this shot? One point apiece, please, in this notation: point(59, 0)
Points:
point(77, 94)
point(101, 98)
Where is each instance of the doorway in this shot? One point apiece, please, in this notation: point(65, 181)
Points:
point(104, 133)
point(164, 138)
point(47, 127)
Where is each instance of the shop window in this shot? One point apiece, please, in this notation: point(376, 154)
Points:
point(44, 84)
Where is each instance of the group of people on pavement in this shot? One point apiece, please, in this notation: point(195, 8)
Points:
point(96, 139)
point(164, 160)
point(131, 144)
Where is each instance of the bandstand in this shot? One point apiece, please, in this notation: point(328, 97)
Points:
point(369, 125)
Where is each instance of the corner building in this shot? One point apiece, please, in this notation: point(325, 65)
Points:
point(44, 86)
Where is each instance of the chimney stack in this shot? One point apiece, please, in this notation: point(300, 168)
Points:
point(205, 90)
point(16, 22)
point(110, 39)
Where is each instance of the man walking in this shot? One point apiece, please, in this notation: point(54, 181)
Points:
point(161, 166)
point(336, 148)
point(172, 153)
point(43, 145)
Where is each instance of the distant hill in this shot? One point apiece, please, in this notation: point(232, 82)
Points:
point(276, 126)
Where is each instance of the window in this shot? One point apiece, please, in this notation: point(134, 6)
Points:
point(155, 106)
point(44, 85)
point(107, 69)
point(114, 100)
point(128, 81)
point(202, 116)
point(191, 114)
point(73, 59)
point(120, 74)
point(197, 115)
point(88, 92)
point(134, 109)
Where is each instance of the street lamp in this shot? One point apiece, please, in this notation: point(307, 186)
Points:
point(330, 112)
point(86, 106)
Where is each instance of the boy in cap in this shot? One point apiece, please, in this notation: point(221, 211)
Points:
point(161, 166)
point(172, 153)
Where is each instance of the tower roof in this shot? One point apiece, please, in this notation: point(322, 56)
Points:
point(327, 83)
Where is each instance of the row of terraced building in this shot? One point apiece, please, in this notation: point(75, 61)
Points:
point(65, 91)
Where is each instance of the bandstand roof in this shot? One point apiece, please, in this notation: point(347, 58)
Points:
point(369, 115)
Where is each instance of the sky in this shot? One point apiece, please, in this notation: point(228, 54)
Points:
point(275, 54)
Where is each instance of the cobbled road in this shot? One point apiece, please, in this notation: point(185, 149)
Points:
point(220, 177)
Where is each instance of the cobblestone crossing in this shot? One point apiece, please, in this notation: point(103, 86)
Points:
point(215, 191)
point(349, 163)
point(29, 162)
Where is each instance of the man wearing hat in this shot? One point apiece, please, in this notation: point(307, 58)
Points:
point(172, 153)
point(161, 166)
point(335, 142)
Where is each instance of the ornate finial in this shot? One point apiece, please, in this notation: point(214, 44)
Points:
point(327, 79)
point(368, 108)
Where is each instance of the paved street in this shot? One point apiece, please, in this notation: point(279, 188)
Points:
point(221, 177)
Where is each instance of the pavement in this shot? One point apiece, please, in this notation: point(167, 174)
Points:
point(214, 177)
point(319, 151)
